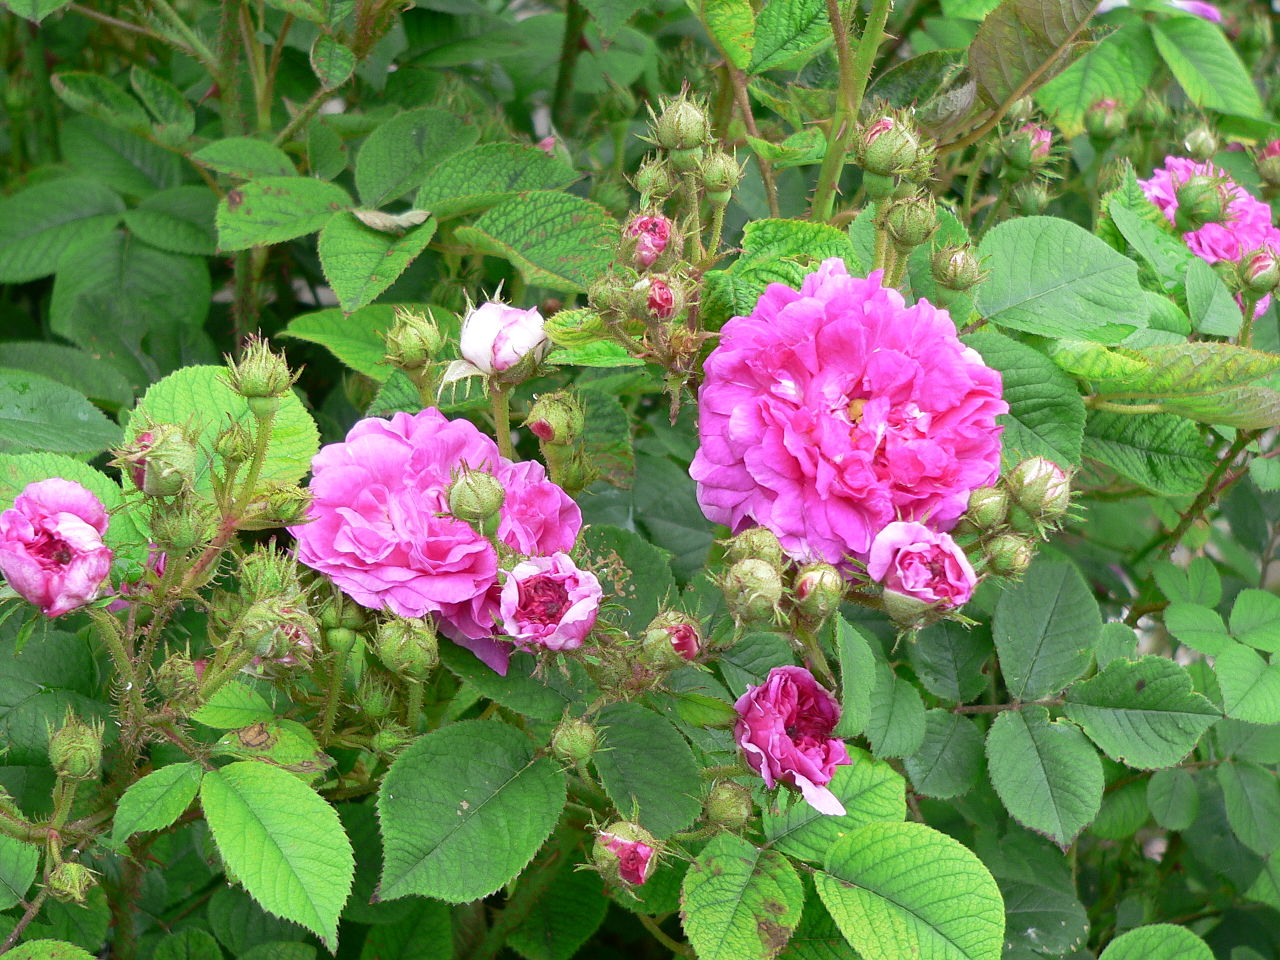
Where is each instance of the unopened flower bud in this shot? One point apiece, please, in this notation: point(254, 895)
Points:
point(755, 543)
point(1200, 201)
point(75, 751)
point(276, 629)
point(1030, 199)
point(625, 853)
point(340, 640)
point(496, 337)
point(887, 146)
point(1260, 271)
point(1040, 487)
point(956, 267)
point(1269, 164)
point(720, 175)
point(1027, 148)
point(408, 647)
point(818, 590)
point(1009, 555)
point(259, 374)
point(284, 504)
point(574, 740)
point(556, 418)
point(1105, 120)
point(1021, 110)
point(1151, 113)
point(1201, 143)
point(752, 590)
point(682, 125)
point(413, 340)
point(672, 639)
point(655, 182)
point(649, 236)
point(728, 805)
point(70, 882)
point(389, 741)
point(663, 297)
point(187, 525)
point(988, 508)
point(176, 678)
point(233, 444)
point(912, 221)
point(266, 573)
point(475, 496)
point(374, 698)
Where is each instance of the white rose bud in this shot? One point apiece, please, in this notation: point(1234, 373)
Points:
point(497, 336)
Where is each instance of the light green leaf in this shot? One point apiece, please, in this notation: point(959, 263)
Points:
point(1053, 278)
point(1255, 619)
point(905, 890)
point(795, 238)
point(399, 154)
point(1206, 66)
point(857, 678)
point(270, 210)
point(331, 62)
point(481, 176)
point(285, 844)
point(1023, 43)
point(731, 24)
point(245, 158)
point(283, 743)
point(1265, 474)
point(1173, 798)
point(1250, 687)
point(99, 97)
point(789, 33)
point(18, 864)
point(360, 262)
point(157, 800)
point(175, 118)
point(39, 223)
point(1047, 774)
point(1162, 453)
point(602, 353)
point(179, 220)
point(36, 412)
point(1117, 67)
point(895, 724)
point(647, 769)
point(1167, 253)
point(1198, 582)
point(35, 11)
point(1248, 408)
point(1158, 941)
point(463, 810)
point(1213, 309)
point(1171, 371)
point(314, 11)
point(233, 705)
point(355, 338)
point(1141, 712)
point(1252, 797)
point(48, 949)
point(1118, 641)
point(740, 902)
point(949, 761)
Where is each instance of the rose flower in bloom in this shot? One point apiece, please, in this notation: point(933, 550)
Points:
point(381, 530)
point(51, 549)
point(496, 336)
point(914, 561)
point(549, 602)
point(784, 729)
point(836, 409)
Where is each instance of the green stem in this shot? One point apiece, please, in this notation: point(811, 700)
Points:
point(303, 115)
point(332, 695)
point(500, 402)
point(971, 183)
point(13, 824)
point(1246, 327)
point(216, 679)
point(413, 709)
point(675, 946)
point(45, 114)
point(575, 20)
point(738, 80)
point(261, 441)
point(131, 695)
point(198, 47)
point(1094, 403)
point(717, 228)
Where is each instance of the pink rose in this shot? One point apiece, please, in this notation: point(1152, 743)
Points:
point(51, 549)
point(496, 336)
point(661, 301)
point(835, 409)
point(784, 729)
point(635, 857)
point(651, 235)
point(549, 602)
point(910, 559)
point(380, 527)
point(1041, 140)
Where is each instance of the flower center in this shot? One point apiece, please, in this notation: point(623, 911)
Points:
point(543, 599)
point(53, 550)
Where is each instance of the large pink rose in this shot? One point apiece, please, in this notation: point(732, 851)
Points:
point(549, 602)
point(784, 729)
point(833, 410)
point(380, 527)
point(51, 549)
point(911, 559)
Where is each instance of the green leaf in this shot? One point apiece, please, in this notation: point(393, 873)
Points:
point(948, 659)
point(1173, 798)
point(731, 24)
point(483, 175)
point(612, 15)
point(36, 412)
point(99, 97)
point(917, 79)
point(178, 220)
point(283, 841)
point(949, 761)
point(635, 572)
point(360, 262)
point(794, 238)
point(1265, 475)
point(35, 11)
point(1020, 36)
point(1255, 619)
point(1198, 582)
point(354, 338)
point(789, 33)
point(314, 11)
point(240, 924)
point(122, 160)
point(269, 210)
point(397, 156)
point(544, 697)
point(245, 158)
point(1252, 797)
point(1163, 453)
point(740, 902)
point(1170, 371)
point(647, 769)
point(1045, 627)
point(1047, 774)
point(286, 744)
point(157, 800)
point(48, 949)
point(1041, 920)
point(425, 934)
point(1141, 712)
point(798, 150)
point(906, 890)
point(175, 118)
point(1046, 412)
point(189, 944)
point(749, 660)
point(1248, 408)
point(39, 223)
point(201, 399)
point(1213, 309)
point(1204, 63)
point(1118, 67)
point(857, 678)
point(871, 792)
point(895, 725)
point(1118, 641)
point(1250, 687)
point(564, 917)
point(602, 353)
point(18, 865)
point(280, 951)
point(1158, 941)
point(463, 810)
point(556, 240)
point(606, 443)
point(1053, 278)
point(1167, 253)
point(233, 705)
point(331, 62)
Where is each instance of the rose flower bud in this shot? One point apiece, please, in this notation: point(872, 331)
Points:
point(51, 549)
point(624, 852)
point(651, 235)
point(1041, 488)
point(784, 729)
point(574, 740)
point(752, 590)
point(497, 336)
point(1260, 271)
point(673, 638)
point(914, 562)
point(818, 590)
point(556, 418)
point(1105, 120)
point(549, 602)
point(755, 543)
point(1009, 555)
point(1269, 163)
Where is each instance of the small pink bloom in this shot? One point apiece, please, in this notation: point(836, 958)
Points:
point(549, 602)
point(651, 235)
point(547, 145)
point(661, 302)
point(684, 639)
point(784, 729)
point(51, 549)
point(910, 559)
point(1041, 140)
point(1272, 149)
point(496, 336)
point(1206, 10)
point(635, 858)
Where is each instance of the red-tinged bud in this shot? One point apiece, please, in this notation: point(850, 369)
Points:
point(661, 301)
point(1260, 271)
point(556, 418)
point(651, 235)
point(1105, 120)
point(887, 146)
point(818, 590)
point(1269, 164)
point(672, 639)
point(626, 853)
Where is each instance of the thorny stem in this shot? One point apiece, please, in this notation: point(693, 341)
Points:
point(332, 694)
point(303, 115)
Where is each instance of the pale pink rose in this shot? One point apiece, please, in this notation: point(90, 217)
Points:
point(661, 301)
point(832, 410)
point(635, 857)
point(911, 559)
point(496, 336)
point(651, 233)
point(784, 729)
point(51, 549)
point(549, 602)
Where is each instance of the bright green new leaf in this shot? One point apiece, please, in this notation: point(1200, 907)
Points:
point(1163, 453)
point(37, 413)
point(949, 761)
point(39, 223)
point(1158, 941)
point(1213, 310)
point(481, 176)
point(795, 238)
point(1198, 582)
point(35, 11)
point(1252, 797)
point(647, 769)
point(1250, 686)
point(789, 33)
point(283, 743)
point(355, 338)
point(740, 902)
point(157, 800)
point(857, 678)
point(1255, 619)
point(905, 890)
point(232, 706)
point(396, 158)
point(731, 24)
point(602, 353)
point(285, 844)
point(48, 950)
point(1118, 68)
point(269, 210)
point(360, 262)
point(1207, 66)
point(245, 158)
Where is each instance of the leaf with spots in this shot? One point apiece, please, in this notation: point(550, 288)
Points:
point(360, 262)
point(275, 209)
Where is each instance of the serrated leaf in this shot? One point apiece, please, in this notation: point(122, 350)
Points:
point(360, 262)
point(1163, 453)
point(1158, 941)
point(1252, 797)
point(354, 338)
point(1212, 308)
point(1206, 66)
point(245, 158)
point(949, 761)
point(906, 890)
point(788, 34)
point(18, 864)
point(857, 678)
point(948, 659)
point(1255, 619)
point(1118, 67)
point(331, 61)
point(1173, 798)
point(269, 210)
point(48, 950)
point(283, 743)
point(794, 238)
point(731, 24)
point(189, 944)
point(1041, 919)
point(563, 918)
point(635, 572)
point(396, 158)
point(1250, 686)
point(1047, 774)
point(99, 97)
point(157, 800)
point(425, 933)
point(546, 696)
point(122, 160)
point(1174, 370)
point(1019, 38)
point(179, 220)
point(285, 844)
point(1141, 712)
point(602, 353)
point(749, 661)
point(556, 240)
point(612, 15)
point(1053, 278)
point(233, 705)
point(1168, 254)
point(1248, 408)
point(35, 10)
point(481, 176)
point(42, 414)
point(1118, 641)
point(463, 810)
point(314, 11)
point(174, 116)
point(895, 723)
point(647, 769)
point(740, 902)
point(39, 223)
point(1198, 582)
point(1045, 627)
point(871, 792)
point(918, 79)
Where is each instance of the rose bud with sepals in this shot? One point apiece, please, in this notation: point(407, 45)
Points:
point(752, 591)
point(161, 460)
point(389, 741)
point(658, 298)
point(755, 543)
point(1009, 555)
point(374, 698)
point(1030, 199)
point(408, 647)
point(1026, 149)
point(75, 750)
point(626, 853)
point(988, 508)
point(648, 236)
point(916, 565)
point(1201, 143)
point(911, 221)
point(1105, 120)
point(234, 444)
point(413, 340)
point(672, 639)
point(1268, 163)
point(956, 267)
point(557, 418)
point(260, 376)
point(1201, 200)
point(720, 176)
point(1260, 271)
point(477, 497)
point(818, 591)
point(503, 341)
point(1041, 488)
point(728, 805)
point(682, 129)
point(574, 740)
point(887, 146)
point(177, 679)
point(655, 181)
point(70, 882)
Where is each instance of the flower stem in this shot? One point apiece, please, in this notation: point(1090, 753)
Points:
point(500, 402)
point(1246, 328)
point(332, 694)
point(413, 710)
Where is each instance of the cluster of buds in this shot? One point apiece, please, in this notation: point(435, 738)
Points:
point(413, 343)
point(557, 420)
point(1105, 120)
point(268, 616)
point(161, 460)
point(1029, 502)
point(753, 585)
point(408, 647)
point(893, 155)
point(260, 376)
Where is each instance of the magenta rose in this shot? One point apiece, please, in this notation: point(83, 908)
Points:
point(51, 549)
point(1041, 140)
point(911, 559)
point(549, 602)
point(835, 409)
point(784, 729)
point(635, 857)
point(380, 528)
point(651, 234)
